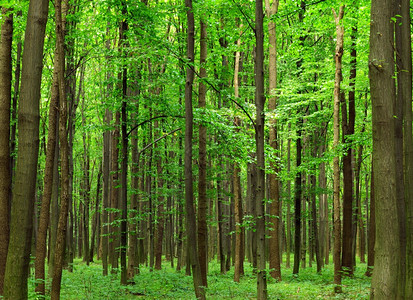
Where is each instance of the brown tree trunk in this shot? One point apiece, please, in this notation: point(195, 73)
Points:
point(405, 82)
point(21, 222)
point(114, 197)
point(64, 155)
point(48, 182)
point(238, 209)
point(384, 284)
point(94, 241)
point(189, 194)
point(5, 170)
point(336, 166)
point(274, 193)
point(288, 223)
point(371, 228)
point(123, 75)
point(259, 142)
point(348, 120)
point(202, 180)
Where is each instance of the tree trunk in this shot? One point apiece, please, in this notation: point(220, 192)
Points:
point(259, 142)
point(5, 170)
point(288, 228)
point(274, 193)
point(189, 194)
point(114, 197)
point(21, 222)
point(348, 180)
point(297, 202)
point(94, 242)
point(238, 209)
point(125, 141)
point(336, 166)
point(371, 228)
point(385, 278)
point(48, 182)
point(404, 80)
point(64, 155)
point(202, 180)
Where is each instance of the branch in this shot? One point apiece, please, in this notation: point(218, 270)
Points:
point(150, 120)
point(245, 16)
point(157, 140)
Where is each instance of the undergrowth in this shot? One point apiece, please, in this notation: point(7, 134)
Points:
point(87, 282)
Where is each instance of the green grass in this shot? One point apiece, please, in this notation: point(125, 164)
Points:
point(87, 282)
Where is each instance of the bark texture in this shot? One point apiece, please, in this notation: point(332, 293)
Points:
point(21, 223)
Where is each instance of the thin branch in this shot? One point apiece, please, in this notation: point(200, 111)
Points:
point(245, 16)
point(150, 120)
point(157, 140)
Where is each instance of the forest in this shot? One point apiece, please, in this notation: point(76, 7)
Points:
point(200, 149)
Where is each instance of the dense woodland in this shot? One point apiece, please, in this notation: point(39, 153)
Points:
point(251, 138)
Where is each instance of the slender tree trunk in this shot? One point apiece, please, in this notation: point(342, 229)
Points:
point(5, 170)
point(297, 202)
point(64, 155)
point(371, 229)
point(336, 167)
point(21, 222)
point(238, 209)
point(288, 229)
point(114, 197)
point(202, 180)
point(189, 194)
point(259, 140)
point(48, 182)
point(274, 193)
point(94, 242)
point(125, 141)
point(348, 120)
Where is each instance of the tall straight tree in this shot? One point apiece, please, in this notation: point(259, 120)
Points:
point(336, 167)
point(48, 181)
point(21, 223)
point(64, 153)
point(275, 264)
point(202, 180)
point(385, 278)
point(259, 142)
point(404, 49)
point(125, 141)
point(189, 193)
point(5, 102)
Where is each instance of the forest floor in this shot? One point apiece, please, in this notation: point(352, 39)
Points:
point(87, 282)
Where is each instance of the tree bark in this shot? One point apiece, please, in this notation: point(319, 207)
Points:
point(21, 222)
point(383, 95)
point(64, 155)
point(202, 180)
point(189, 194)
point(48, 182)
point(274, 193)
point(5, 102)
point(336, 166)
point(259, 142)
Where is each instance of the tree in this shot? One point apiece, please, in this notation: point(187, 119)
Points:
point(189, 194)
point(202, 180)
point(336, 168)
point(275, 264)
point(259, 143)
point(383, 94)
point(5, 102)
point(64, 152)
point(21, 222)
